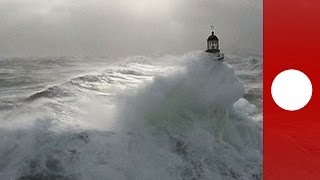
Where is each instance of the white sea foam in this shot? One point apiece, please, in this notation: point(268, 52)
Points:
point(181, 124)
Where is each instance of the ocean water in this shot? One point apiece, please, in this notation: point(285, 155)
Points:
point(156, 117)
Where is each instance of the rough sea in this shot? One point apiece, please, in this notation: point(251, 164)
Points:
point(136, 118)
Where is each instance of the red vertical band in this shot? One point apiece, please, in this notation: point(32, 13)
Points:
point(291, 41)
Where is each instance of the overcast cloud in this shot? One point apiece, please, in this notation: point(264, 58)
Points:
point(126, 27)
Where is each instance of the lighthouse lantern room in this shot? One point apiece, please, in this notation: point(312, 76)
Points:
point(212, 43)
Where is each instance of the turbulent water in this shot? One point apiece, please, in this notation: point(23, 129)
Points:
point(169, 117)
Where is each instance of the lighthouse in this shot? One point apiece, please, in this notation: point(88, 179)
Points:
point(213, 47)
point(213, 43)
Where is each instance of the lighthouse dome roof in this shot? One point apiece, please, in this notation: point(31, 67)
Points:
point(213, 37)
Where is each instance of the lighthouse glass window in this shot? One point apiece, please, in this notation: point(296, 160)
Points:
point(210, 45)
point(213, 45)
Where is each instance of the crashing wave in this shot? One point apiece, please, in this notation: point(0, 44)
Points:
point(179, 126)
point(51, 92)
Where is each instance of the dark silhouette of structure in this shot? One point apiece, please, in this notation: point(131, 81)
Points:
point(213, 47)
point(213, 43)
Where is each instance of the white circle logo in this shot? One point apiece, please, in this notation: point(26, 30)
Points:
point(291, 90)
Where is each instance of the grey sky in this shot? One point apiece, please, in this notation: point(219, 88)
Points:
point(126, 27)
